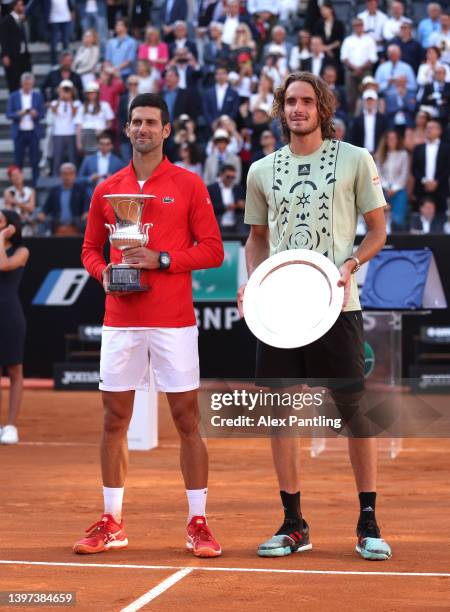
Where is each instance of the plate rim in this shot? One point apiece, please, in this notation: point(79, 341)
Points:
point(251, 290)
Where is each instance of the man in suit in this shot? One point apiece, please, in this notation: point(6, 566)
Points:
point(426, 221)
point(99, 166)
point(49, 87)
point(67, 204)
point(26, 109)
point(181, 40)
point(232, 18)
point(401, 106)
point(368, 128)
point(179, 101)
point(228, 200)
point(220, 99)
point(13, 37)
point(318, 60)
point(330, 76)
point(189, 70)
point(431, 168)
point(437, 95)
point(171, 12)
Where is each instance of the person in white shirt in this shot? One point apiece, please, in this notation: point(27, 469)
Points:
point(231, 21)
point(392, 161)
point(60, 22)
point(149, 78)
point(64, 111)
point(426, 70)
point(93, 117)
point(441, 39)
point(301, 51)
point(391, 28)
point(358, 54)
point(374, 21)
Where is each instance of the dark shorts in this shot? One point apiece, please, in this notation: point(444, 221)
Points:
point(337, 357)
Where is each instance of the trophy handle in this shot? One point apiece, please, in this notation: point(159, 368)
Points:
point(111, 227)
point(146, 229)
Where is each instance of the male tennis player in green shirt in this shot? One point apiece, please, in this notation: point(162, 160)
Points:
point(308, 195)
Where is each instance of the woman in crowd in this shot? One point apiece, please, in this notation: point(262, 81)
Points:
point(425, 74)
point(94, 116)
point(149, 78)
point(242, 45)
point(13, 258)
point(264, 95)
point(154, 50)
point(189, 158)
point(416, 135)
point(87, 57)
point(331, 31)
point(393, 167)
point(301, 51)
point(20, 199)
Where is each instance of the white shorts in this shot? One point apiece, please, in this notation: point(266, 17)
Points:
point(127, 355)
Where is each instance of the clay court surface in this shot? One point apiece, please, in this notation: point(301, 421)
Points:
point(50, 492)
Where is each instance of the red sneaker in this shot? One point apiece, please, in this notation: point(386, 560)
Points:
point(104, 535)
point(200, 539)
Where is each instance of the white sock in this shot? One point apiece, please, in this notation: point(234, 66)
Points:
point(197, 502)
point(113, 498)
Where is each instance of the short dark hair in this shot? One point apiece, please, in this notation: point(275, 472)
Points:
point(424, 200)
point(124, 20)
point(153, 101)
point(12, 218)
point(228, 168)
point(105, 134)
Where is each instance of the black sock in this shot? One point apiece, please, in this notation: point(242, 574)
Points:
point(367, 503)
point(291, 505)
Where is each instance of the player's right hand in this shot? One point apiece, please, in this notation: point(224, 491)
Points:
point(240, 300)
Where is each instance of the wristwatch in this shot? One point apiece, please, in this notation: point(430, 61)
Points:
point(164, 260)
point(356, 260)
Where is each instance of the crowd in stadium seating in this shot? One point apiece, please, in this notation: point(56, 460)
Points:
point(217, 63)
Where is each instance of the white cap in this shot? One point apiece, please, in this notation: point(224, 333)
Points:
point(92, 86)
point(274, 49)
point(66, 83)
point(221, 134)
point(370, 93)
point(264, 108)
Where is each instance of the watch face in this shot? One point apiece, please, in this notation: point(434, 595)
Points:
point(165, 260)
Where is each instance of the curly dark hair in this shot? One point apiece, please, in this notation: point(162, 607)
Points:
point(325, 102)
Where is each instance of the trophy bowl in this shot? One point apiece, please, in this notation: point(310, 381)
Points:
point(127, 232)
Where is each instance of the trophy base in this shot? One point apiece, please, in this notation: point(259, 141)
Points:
point(123, 278)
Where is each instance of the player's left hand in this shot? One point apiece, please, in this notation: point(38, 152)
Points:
point(345, 280)
point(141, 257)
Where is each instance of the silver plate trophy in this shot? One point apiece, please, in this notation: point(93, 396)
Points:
point(293, 298)
point(125, 233)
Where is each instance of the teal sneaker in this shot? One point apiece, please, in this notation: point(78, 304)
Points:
point(292, 537)
point(370, 545)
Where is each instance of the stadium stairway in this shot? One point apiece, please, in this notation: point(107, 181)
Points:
point(40, 53)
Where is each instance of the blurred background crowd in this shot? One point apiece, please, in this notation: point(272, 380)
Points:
point(71, 68)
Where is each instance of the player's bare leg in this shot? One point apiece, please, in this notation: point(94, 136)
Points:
point(363, 454)
point(194, 467)
point(193, 453)
point(109, 533)
point(118, 409)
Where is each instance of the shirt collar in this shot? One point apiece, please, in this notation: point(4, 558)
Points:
point(163, 168)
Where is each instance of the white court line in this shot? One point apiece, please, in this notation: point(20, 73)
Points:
point(229, 569)
point(157, 590)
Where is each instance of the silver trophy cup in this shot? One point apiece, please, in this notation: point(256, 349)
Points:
point(128, 231)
